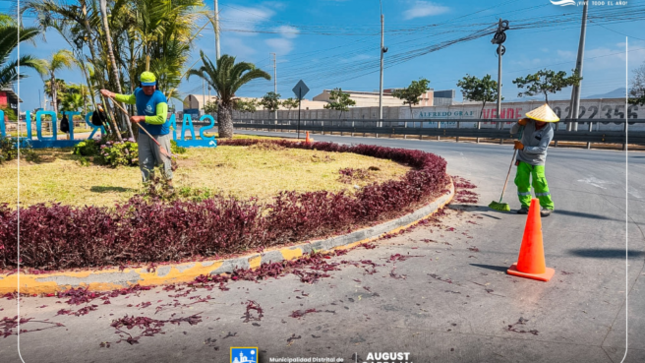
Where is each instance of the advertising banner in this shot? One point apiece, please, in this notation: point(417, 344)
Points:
point(609, 112)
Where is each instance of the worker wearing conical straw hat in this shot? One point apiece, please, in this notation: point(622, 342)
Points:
point(531, 157)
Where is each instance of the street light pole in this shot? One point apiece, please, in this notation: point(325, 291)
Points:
point(216, 31)
point(575, 93)
point(380, 92)
point(500, 52)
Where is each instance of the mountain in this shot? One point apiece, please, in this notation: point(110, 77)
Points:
point(617, 93)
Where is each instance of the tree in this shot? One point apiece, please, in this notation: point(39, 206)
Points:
point(411, 94)
point(226, 78)
point(158, 34)
point(80, 27)
point(290, 103)
point(480, 90)
point(61, 87)
point(210, 107)
point(75, 97)
point(545, 82)
point(59, 60)
point(271, 101)
point(241, 105)
point(112, 61)
point(339, 101)
point(638, 87)
point(9, 113)
point(8, 42)
point(108, 39)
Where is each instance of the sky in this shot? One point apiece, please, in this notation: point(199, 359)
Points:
point(335, 43)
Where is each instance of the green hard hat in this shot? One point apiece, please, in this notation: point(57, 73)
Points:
point(148, 79)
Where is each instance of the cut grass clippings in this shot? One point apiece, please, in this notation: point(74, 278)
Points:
point(242, 171)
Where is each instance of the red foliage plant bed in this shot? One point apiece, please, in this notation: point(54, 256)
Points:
point(66, 237)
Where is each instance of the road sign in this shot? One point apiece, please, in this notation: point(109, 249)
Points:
point(300, 90)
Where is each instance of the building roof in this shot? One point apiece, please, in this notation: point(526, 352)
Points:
point(11, 93)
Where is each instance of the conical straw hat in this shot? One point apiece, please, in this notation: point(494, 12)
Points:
point(543, 113)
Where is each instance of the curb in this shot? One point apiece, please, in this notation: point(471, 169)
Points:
point(110, 279)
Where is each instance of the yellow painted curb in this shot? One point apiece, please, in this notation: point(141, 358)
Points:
point(114, 278)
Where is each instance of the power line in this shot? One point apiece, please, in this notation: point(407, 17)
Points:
point(615, 31)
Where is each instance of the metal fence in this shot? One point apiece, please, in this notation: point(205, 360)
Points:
point(589, 131)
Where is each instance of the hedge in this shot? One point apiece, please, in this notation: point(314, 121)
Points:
point(63, 237)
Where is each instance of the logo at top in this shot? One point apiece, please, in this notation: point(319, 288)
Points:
point(563, 2)
point(244, 355)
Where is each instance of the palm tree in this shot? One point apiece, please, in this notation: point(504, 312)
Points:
point(108, 39)
point(59, 60)
point(75, 98)
point(112, 61)
point(226, 79)
point(80, 27)
point(121, 36)
point(9, 42)
point(61, 87)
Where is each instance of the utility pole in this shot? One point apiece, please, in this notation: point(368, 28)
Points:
point(383, 50)
point(499, 39)
point(216, 31)
point(575, 93)
point(500, 50)
point(275, 87)
point(204, 96)
point(209, 94)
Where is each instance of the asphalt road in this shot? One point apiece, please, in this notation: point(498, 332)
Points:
point(450, 302)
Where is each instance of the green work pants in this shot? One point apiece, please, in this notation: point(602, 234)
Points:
point(522, 180)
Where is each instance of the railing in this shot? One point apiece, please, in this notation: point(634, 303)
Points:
point(489, 129)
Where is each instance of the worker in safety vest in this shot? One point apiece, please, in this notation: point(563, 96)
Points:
point(538, 130)
point(152, 112)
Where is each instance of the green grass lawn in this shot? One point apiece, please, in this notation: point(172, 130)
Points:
point(244, 172)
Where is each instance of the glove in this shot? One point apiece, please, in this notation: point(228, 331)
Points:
point(523, 121)
point(519, 145)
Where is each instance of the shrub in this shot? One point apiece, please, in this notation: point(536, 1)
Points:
point(86, 148)
point(8, 150)
point(176, 149)
point(31, 155)
point(157, 189)
point(144, 231)
point(118, 153)
point(195, 194)
point(84, 161)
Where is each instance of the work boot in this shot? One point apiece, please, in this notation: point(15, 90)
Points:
point(523, 210)
point(545, 212)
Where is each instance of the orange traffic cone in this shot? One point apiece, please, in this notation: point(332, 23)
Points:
point(531, 263)
point(307, 139)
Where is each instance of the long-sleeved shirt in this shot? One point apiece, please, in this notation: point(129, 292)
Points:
point(154, 108)
point(536, 142)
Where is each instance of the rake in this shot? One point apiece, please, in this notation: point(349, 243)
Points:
point(162, 150)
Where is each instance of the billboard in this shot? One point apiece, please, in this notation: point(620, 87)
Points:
point(610, 113)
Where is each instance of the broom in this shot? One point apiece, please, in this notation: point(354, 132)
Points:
point(499, 206)
point(162, 150)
